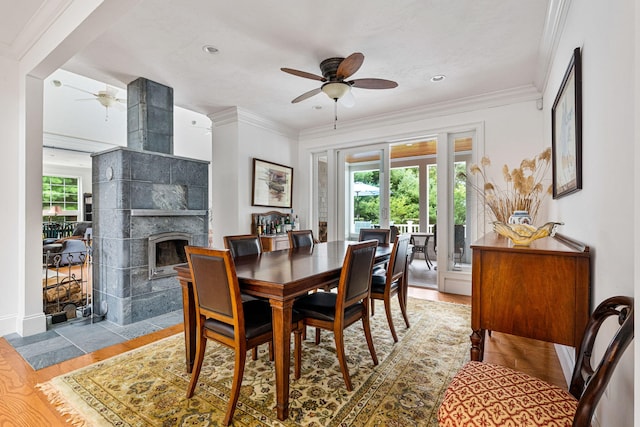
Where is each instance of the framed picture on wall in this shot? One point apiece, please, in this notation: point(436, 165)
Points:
point(272, 184)
point(566, 124)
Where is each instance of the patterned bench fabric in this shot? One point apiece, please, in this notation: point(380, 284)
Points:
point(485, 395)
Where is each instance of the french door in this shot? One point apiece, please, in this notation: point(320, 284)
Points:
point(362, 190)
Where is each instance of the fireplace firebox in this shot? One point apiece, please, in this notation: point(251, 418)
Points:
point(166, 250)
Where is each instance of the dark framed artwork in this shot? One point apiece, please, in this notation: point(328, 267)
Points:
point(566, 124)
point(272, 184)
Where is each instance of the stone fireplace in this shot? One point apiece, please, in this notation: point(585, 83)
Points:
point(148, 204)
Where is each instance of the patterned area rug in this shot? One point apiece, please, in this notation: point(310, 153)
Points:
point(146, 387)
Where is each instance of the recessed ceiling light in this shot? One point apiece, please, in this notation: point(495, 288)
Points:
point(56, 83)
point(317, 107)
point(210, 49)
point(438, 78)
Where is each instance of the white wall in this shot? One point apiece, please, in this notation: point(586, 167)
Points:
point(238, 137)
point(9, 128)
point(602, 214)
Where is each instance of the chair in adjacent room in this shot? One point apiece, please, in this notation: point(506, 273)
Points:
point(301, 238)
point(491, 395)
point(383, 287)
point(336, 311)
point(382, 235)
point(458, 243)
point(419, 246)
point(244, 244)
point(222, 316)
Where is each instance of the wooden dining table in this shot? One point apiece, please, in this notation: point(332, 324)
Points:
point(279, 276)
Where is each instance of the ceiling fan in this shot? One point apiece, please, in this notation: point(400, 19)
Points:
point(335, 71)
point(108, 98)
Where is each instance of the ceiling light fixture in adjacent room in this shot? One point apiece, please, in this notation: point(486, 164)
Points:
point(438, 78)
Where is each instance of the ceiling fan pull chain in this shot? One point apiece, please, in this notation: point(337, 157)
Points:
point(335, 113)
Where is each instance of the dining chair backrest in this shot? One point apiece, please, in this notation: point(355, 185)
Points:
point(215, 284)
point(398, 260)
point(382, 235)
point(591, 376)
point(245, 244)
point(394, 232)
point(300, 238)
point(355, 279)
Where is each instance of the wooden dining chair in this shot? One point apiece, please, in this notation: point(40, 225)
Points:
point(222, 316)
point(493, 395)
point(394, 232)
point(382, 235)
point(336, 311)
point(300, 238)
point(243, 244)
point(383, 287)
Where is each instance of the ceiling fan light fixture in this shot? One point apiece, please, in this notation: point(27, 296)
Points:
point(335, 90)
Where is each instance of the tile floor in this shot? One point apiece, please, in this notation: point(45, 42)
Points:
point(79, 336)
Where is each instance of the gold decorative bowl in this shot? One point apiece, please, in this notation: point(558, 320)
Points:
point(524, 234)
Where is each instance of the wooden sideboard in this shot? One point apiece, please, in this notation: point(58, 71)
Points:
point(275, 242)
point(270, 242)
point(540, 291)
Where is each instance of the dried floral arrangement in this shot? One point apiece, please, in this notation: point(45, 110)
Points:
point(523, 190)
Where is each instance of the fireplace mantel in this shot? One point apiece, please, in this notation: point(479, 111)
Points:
point(163, 212)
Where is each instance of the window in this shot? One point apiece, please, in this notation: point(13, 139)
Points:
point(61, 192)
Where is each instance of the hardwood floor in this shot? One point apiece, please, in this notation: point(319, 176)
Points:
point(21, 404)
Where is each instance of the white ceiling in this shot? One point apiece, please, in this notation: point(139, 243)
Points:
point(482, 46)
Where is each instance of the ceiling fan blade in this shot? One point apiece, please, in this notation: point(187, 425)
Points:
point(373, 84)
point(307, 95)
point(348, 100)
point(349, 65)
point(81, 90)
point(113, 91)
point(303, 74)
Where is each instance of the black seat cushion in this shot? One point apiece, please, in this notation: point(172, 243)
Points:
point(322, 306)
point(378, 284)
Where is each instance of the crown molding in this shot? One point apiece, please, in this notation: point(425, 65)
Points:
point(462, 105)
point(34, 29)
point(244, 116)
point(553, 27)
